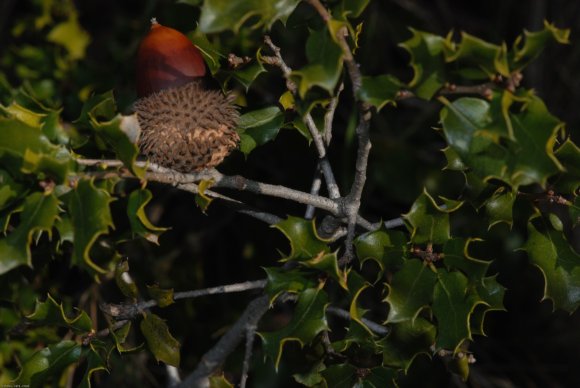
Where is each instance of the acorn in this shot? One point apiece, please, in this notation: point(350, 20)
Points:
point(183, 125)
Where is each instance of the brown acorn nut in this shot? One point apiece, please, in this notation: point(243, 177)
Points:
point(183, 126)
point(166, 58)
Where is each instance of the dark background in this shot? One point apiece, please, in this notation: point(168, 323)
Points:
point(527, 346)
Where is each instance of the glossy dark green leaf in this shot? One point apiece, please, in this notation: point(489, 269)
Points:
point(91, 217)
point(492, 294)
point(457, 257)
point(38, 215)
point(406, 340)
point(529, 45)
point(305, 243)
point(259, 127)
point(453, 303)
point(558, 262)
point(95, 363)
point(454, 162)
point(164, 347)
point(140, 223)
point(568, 155)
point(380, 377)
point(324, 63)
point(312, 378)
point(410, 291)
point(52, 313)
point(49, 363)
point(220, 15)
point(211, 53)
point(535, 130)
point(163, 297)
point(478, 59)
point(429, 221)
point(350, 8)
point(340, 376)
point(280, 280)
point(499, 208)
point(380, 91)
point(427, 61)
point(327, 263)
point(387, 248)
point(247, 74)
point(308, 321)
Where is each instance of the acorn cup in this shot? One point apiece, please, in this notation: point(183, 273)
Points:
point(183, 126)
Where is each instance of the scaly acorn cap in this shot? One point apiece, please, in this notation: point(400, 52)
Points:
point(187, 128)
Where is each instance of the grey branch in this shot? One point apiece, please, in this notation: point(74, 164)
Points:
point(216, 356)
point(375, 327)
point(333, 190)
point(129, 311)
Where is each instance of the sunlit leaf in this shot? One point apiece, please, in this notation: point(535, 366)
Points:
point(159, 340)
point(71, 36)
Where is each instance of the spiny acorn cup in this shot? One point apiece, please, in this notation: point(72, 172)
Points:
point(183, 125)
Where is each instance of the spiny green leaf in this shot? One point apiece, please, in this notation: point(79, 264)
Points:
point(280, 280)
point(159, 340)
point(49, 363)
point(259, 127)
point(492, 294)
point(478, 59)
point(247, 74)
point(387, 247)
point(410, 291)
point(38, 215)
point(52, 313)
point(327, 263)
point(350, 8)
point(380, 377)
point(32, 150)
point(427, 61)
point(454, 162)
point(558, 262)
point(10, 190)
point(568, 155)
point(340, 376)
point(163, 297)
point(91, 217)
point(429, 221)
point(138, 219)
point(324, 63)
point(453, 303)
point(210, 53)
point(535, 130)
point(120, 339)
point(305, 243)
point(220, 15)
point(499, 207)
point(94, 363)
point(380, 91)
point(308, 321)
point(457, 256)
point(356, 285)
point(405, 341)
point(528, 46)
